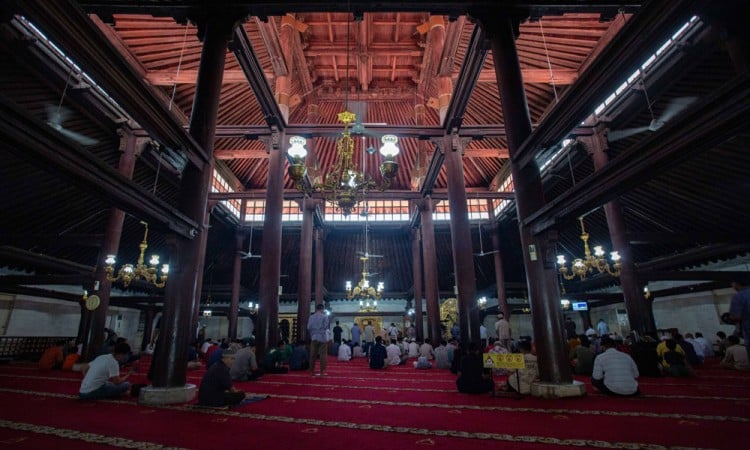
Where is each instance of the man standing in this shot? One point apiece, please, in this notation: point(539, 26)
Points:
point(337, 330)
point(356, 333)
point(317, 327)
point(739, 311)
point(602, 328)
point(614, 372)
point(102, 379)
point(502, 328)
point(369, 336)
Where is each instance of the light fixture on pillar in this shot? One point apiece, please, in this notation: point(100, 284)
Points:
point(129, 272)
point(344, 185)
point(482, 302)
point(252, 308)
point(646, 292)
point(586, 265)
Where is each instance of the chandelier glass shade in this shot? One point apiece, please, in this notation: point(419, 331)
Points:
point(344, 185)
point(590, 263)
point(140, 271)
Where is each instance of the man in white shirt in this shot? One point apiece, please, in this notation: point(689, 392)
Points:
point(393, 354)
point(413, 349)
point(735, 357)
point(483, 335)
point(502, 329)
point(615, 372)
point(426, 349)
point(102, 379)
point(345, 352)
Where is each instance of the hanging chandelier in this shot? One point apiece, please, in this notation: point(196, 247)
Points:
point(129, 272)
point(363, 291)
point(344, 186)
point(586, 265)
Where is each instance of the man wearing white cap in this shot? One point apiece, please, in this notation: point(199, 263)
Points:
point(502, 328)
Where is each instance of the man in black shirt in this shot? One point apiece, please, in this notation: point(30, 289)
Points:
point(377, 354)
point(337, 330)
point(216, 386)
point(472, 378)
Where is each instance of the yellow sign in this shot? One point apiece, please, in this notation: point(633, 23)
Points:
point(504, 361)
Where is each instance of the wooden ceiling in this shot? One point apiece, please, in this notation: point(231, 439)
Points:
point(389, 65)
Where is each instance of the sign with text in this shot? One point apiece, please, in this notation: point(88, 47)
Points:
point(504, 361)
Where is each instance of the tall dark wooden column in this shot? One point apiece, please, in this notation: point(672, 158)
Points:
point(463, 257)
point(234, 300)
point(267, 333)
point(640, 312)
point(95, 324)
point(416, 255)
point(187, 256)
point(429, 255)
point(304, 284)
point(502, 298)
point(538, 251)
point(319, 260)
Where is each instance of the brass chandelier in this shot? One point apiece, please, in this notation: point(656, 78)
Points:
point(344, 186)
point(363, 291)
point(129, 272)
point(586, 265)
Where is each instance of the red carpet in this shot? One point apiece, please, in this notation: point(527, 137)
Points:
point(355, 407)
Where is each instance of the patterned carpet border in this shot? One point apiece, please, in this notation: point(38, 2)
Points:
point(93, 438)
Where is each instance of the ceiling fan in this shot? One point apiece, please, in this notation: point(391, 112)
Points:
point(673, 108)
point(249, 253)
point(481, 245)
point(58, 114)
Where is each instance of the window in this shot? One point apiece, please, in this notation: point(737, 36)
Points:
point(219, 184)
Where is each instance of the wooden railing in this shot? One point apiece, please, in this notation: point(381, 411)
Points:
point(27, 347)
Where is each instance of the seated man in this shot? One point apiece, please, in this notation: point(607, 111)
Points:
point(245, 364)
point(345, 352)
point(735, 355)
point(357, 351)
point(273, 361)
point(472, 378)
point(675, 363)
point(423, 363)
point(378, 354)
point(216, 386)
point(394, 354)
point(102, 378)
point(521, 383)
point(300, 359)
point(614, 372)
point(52, 358)
point(582, 358)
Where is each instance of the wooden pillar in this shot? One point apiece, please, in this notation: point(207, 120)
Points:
point(267, 333)
point(187, 256)
point(429, 255)
point(202, 240)
point(436, 44)
point(640, 313)
point(284, 82)
point(416, 255)
point(319, 260)
point(463, 257)
point(538, 251)
point(502, 299)
point(304, 284)
point(93, 331)
point(234, 301)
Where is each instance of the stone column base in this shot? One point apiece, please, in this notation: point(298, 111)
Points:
point(165, 396)
point(553, 390)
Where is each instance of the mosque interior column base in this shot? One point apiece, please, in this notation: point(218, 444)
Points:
point(555, 390)
point(166, 396)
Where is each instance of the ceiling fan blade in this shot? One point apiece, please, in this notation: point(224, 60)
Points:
point(81, 139)
point(57, 115)
point(616, 135)
point(674, 107)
